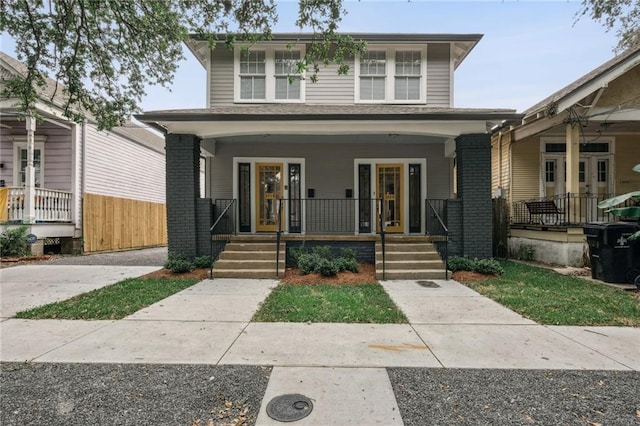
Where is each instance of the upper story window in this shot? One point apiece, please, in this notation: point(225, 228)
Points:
point(373, 75)
point(268, 74)
point(391, 75)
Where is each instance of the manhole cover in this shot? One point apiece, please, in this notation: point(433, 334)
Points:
point(427, 284)
point(289, 408)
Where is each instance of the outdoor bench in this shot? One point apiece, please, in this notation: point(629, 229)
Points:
point(544, 207)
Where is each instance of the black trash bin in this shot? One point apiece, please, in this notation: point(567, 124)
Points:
point(613, 256)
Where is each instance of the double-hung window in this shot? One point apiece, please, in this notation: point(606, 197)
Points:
point(286, 74)
point(253, 75)
point(408, 75)
point(373, 75)
point(269, 73)
point(391, 74)
point(20, 164)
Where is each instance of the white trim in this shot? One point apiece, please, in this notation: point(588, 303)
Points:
point(285, 192)
point(373, 162)
point(390, 74)
point(270, 81)
point(452, 69)
point(19, 143)
point(589, 158)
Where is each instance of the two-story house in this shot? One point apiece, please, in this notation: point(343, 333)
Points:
point(379, 149)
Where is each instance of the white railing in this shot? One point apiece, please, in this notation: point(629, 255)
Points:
point(50, 205)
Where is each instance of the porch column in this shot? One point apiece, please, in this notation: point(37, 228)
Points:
point(183, 191)
point(29, 215)
point(473, 157)
point(573, 161)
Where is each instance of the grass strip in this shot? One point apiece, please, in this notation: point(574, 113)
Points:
point(112, 302)
point(363, 303)
point(550, 298)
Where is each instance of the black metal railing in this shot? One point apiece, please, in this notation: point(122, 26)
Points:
point(571, 210)
point(381, 226)
point(436, 217)
point(278, 237)
point(224, 226)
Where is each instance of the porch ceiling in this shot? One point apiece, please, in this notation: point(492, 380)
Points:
point(297, 119)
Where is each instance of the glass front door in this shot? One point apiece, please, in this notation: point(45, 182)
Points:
point(268, 194)
point(389, 189)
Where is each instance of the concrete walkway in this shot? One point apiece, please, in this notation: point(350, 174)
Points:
point(340, 366)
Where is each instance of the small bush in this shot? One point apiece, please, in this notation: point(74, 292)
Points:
point(296, 252)
point(457, 263)
point(308, 263)
point(326, 267)
point(348, 254)
point(13, 242)
point(483, 266)
point(178, 263)
point(488, 266)
point(323, 252)
point(346, 264)
point(202, 262)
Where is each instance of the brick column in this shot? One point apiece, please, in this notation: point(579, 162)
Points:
point(183, 191)
point(473, 156)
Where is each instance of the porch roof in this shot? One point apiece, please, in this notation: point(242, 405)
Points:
point(326, 119)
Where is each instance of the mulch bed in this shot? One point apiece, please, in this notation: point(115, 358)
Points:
point(6, 262)
point(465, 277)
point(367, 275)
point(199, 273)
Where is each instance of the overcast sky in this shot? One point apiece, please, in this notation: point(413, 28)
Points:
point(529, 50)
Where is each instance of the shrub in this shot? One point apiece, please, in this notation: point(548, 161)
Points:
point(326, 267)
point(202, 262)
point(296, 252)
point(488, 266)
point(13, 242)
point(348, 254)
point(308, 263)
point(323, 252)
point(178, 263)
point(457, 263)
point(346, 264)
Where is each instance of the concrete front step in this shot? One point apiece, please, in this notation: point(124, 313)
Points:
point(247, 264)
point(253, 247)
point(252, 255)
point(412, 265)
point(408, 256)
point(408, 247)
point(416, 274)
point(248, 273)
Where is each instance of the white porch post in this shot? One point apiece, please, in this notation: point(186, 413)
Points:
point(573, 160)
point(30, 179)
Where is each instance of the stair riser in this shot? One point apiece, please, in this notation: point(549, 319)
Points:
point(408, 257)
point(250, 255)
point(253, 247)
point(411, 265)
point(246, 264)
point(420, 248)
point(246, 274)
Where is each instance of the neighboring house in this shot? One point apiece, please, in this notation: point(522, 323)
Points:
point(331, 158)
point(93, 190)
point(570, 151)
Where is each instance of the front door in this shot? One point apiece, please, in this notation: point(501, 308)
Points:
point(389, 189)
point(268, 193)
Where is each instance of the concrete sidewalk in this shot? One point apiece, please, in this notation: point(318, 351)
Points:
point(339, 365)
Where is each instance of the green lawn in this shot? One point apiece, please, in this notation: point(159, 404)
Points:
point(112, 302)
point(365, 303)
point(555, 299)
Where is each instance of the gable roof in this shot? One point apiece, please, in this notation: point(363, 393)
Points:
point(590, 82)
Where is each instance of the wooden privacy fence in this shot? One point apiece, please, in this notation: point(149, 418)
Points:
point(112, 223)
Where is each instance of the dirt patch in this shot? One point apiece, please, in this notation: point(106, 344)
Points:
point(7, 262)
point(465, 277)
point(199, 273)
point(366, 275)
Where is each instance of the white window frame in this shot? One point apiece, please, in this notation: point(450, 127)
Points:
point(588, 157)
point(390, 77)
point(20, 143)
point(270, 76)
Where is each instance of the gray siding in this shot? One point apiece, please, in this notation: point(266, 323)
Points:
point(331, 88)
point(329, 166)
point(119, 167)
point(439, 75)
point(221, 80)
